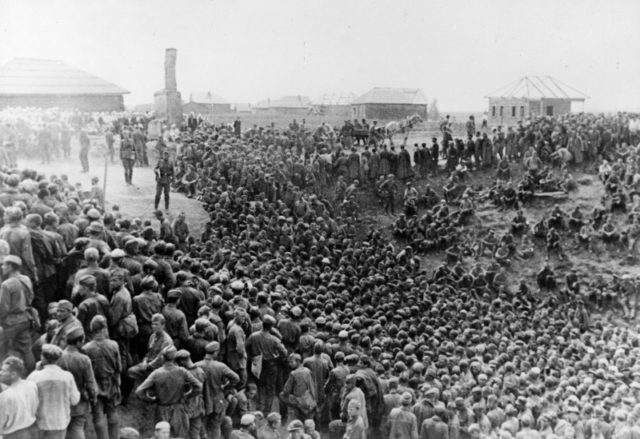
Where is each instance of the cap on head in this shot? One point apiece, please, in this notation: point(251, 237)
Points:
point(247, 419)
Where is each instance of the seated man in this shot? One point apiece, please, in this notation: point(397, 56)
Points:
point(567, 183)
point(604, 170)
point(576, 220)
point(525, 191)
point(556, 218)
point(489, 242)
point(609, 232)
point(504, 171)
point(430, 198)
point(509, 197)
point(546, 278)
point(553, 242)
point(400, 227)
point(540, 229)
point(501, 255)
point(467, 207)
point(585, 235)
point(519, 223)
point(527, 248)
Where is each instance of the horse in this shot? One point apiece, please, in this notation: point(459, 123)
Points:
point(402, 126)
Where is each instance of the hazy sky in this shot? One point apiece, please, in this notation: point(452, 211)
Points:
point(457, 51)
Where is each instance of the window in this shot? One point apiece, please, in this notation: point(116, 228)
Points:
point(501, 111)
point(521, 111)
point(493, 111)
point(513, 111)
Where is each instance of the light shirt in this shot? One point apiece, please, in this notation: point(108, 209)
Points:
point(58, 392)
point(18, 407)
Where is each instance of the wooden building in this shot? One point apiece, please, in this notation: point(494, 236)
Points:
point(385, 103)
point(287, 105)
point(206, 103)
point(27, 82)
point(532, 96)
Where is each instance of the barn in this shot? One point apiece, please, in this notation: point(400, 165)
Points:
point(28, 82)
point(287, 105)
point(385, 103)
point(206, 103)
point(532, 96)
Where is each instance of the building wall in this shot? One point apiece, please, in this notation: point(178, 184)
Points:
point(523, 108)
point(199, 108)
point(79, 102)
point(387, 111)
point(283, 111)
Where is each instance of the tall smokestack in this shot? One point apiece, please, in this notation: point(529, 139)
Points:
point(170, 82)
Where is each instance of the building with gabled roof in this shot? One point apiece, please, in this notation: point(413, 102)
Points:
point(206, 103)
point(532, 96)
point(288, 105)
point(387, 103)
point(29, 82)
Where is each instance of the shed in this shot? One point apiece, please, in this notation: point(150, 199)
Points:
point(387, 103)
point(29, 82)
point(532, 96)
point(206, 103)
point(287, 105)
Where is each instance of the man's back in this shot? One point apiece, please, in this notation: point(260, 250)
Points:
point(58, 392)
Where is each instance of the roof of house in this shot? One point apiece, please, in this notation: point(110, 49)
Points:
point(335, 99)
point(206, 97)
point(389, 95)
point(286, 102)
point(539, 87)
point(27, 76)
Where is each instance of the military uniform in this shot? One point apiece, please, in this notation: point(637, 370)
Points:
point(164, 177)
point(128, 157)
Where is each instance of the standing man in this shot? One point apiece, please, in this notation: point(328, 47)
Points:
point(236, 351)
point(127, 156)
point(16, 295)
point(168, 387)
point(19, 239)
point(140, 144)
point(164, 178)
point(58, 392)
point(107, 367)
point(85, 145)
point(18, 402)
point(109, 140)
point(219, 378)
point(237, 130)
point(75, 361)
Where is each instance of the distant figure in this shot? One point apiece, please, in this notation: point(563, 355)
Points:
point(85, 145)
point(164, 178)
point(485, 120)
point(237, 127)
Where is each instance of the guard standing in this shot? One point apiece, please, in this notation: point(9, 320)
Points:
point(128, 157)
point(164, 178)
point(85, 144)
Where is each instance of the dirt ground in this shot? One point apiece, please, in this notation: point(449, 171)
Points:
point(136, 201)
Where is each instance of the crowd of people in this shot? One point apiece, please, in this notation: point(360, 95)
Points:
point(284, 312)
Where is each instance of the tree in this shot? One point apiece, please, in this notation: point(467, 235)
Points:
point(434, 113)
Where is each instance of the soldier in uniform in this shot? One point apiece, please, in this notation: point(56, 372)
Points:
point(85, 145)
point(164, 178)
point(128, 156)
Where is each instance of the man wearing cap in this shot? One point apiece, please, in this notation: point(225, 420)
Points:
point(402, 422)
point(235, 344)
point(247, 428)
point(44, 258)
point(354, 428)
point(195, 402)
point(165, 232)
point(16, 296)
point(58, 393)
point(335, 383)
point(351, 392)
point(219, 379)
point(158, 342)
point(299, 393)
point(176, 321)
point(271, 430)
point(168, 387)
point(266, 353)
point(164, 178)
point(91, 257)
point(18, 402)
point(92, 303)
point(19, 240)
point(67, 323)
point(290, 329)
point(96, 234)
point(79, 364)
point(107, 368)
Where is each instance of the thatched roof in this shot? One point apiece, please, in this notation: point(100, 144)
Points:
point(388, 95)
point(538, 87)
